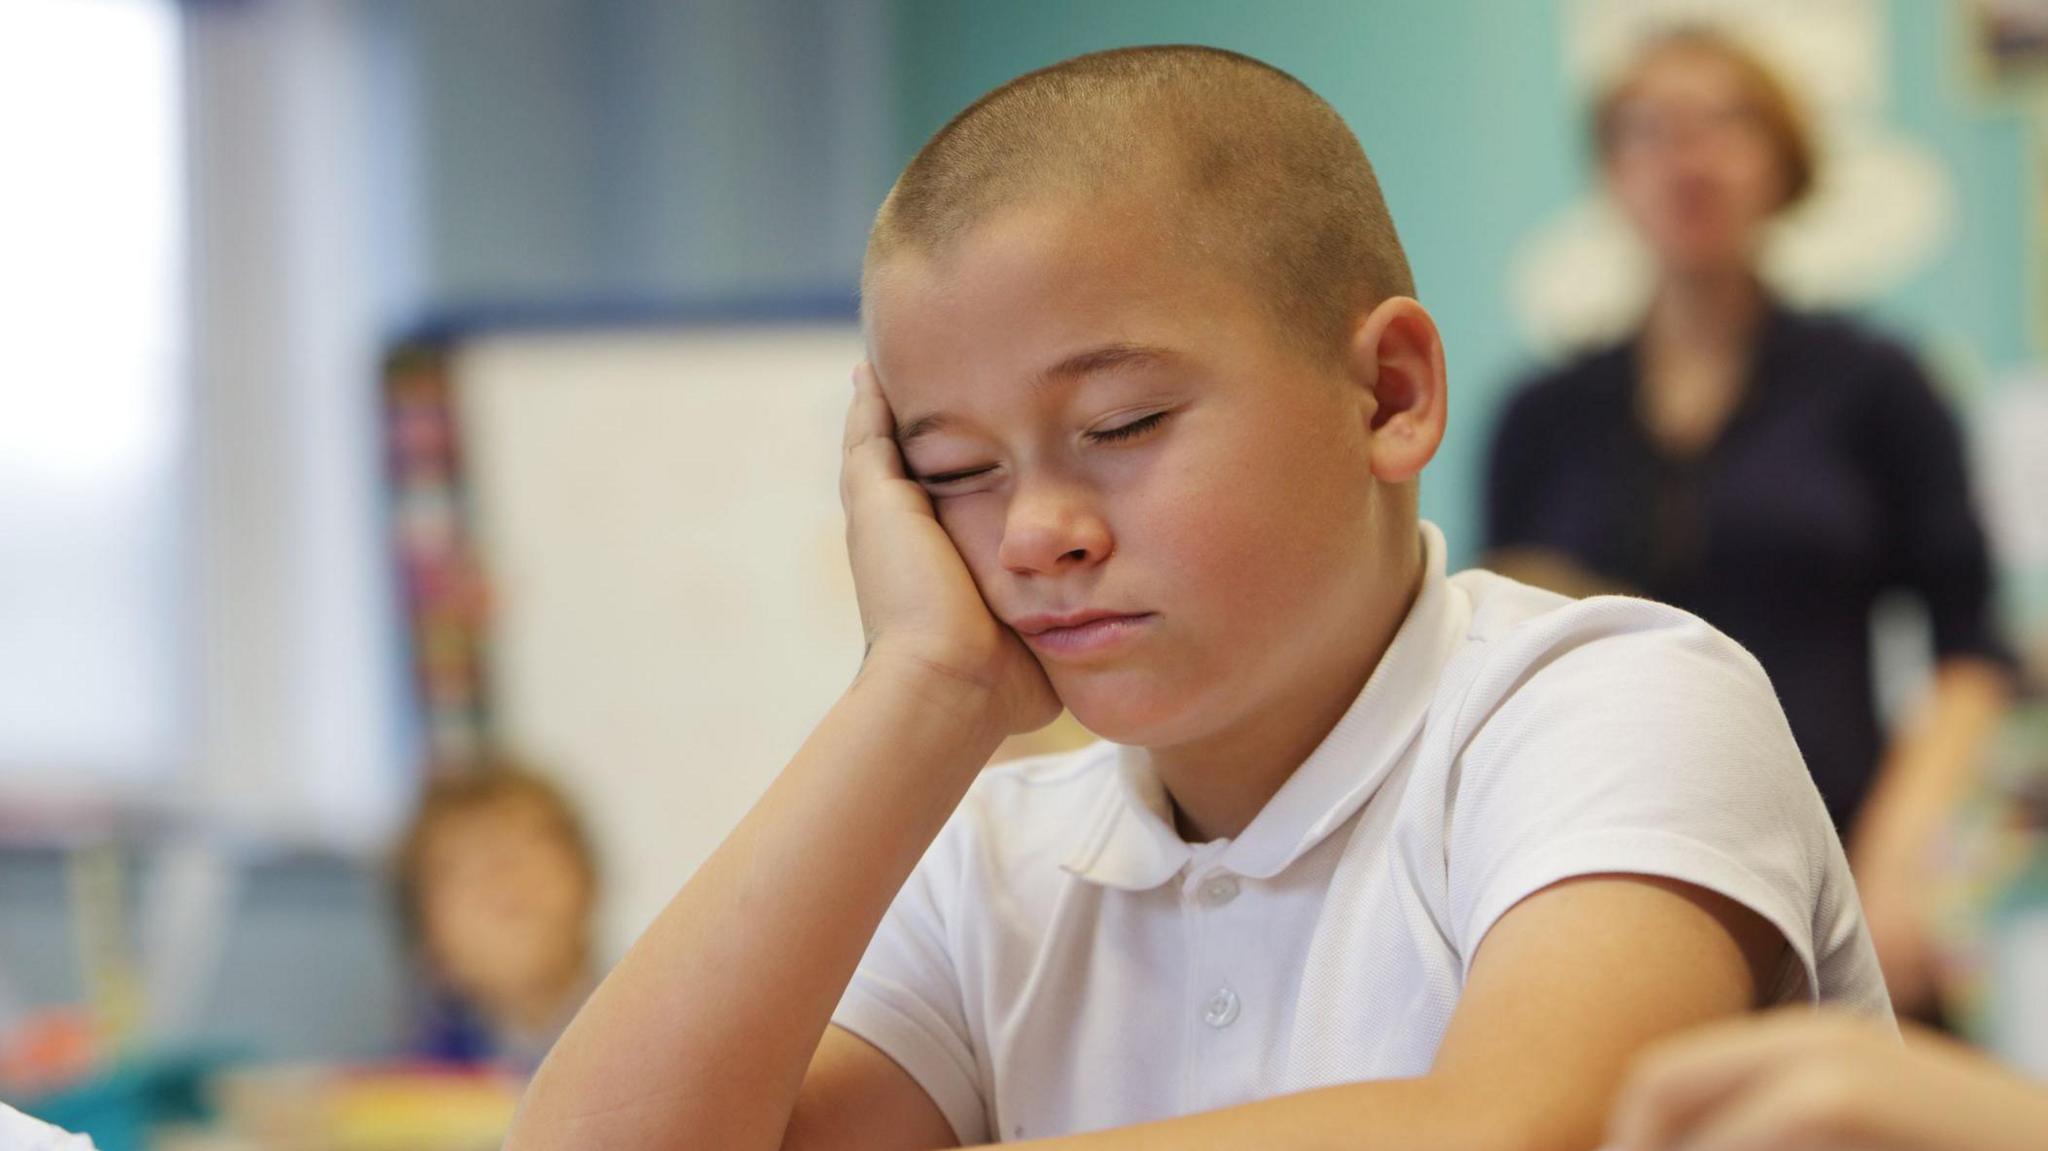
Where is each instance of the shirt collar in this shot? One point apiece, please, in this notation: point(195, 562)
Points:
point(1129, 841)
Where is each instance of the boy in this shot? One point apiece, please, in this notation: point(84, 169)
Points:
point(1372, 857)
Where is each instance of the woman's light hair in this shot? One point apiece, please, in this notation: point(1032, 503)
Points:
point(1778, 112)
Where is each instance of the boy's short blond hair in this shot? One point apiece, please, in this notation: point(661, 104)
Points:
point(1247, 165)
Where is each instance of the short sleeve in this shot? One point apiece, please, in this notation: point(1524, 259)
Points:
point(906, 996)
point(1935, 544)
point(1628, 738)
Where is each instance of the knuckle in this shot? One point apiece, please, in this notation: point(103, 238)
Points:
point(1826, 1099)
point(1658, 1075)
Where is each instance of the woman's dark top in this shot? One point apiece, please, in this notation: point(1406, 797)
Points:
point(1839, 477)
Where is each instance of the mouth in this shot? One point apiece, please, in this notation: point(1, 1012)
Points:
point(1080, 633)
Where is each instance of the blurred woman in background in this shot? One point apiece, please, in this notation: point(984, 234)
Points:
point(1772, 471)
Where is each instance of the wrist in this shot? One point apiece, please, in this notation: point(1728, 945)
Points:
point(960, 703)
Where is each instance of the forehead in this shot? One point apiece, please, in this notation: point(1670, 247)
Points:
point(509, 816)
point(1689, 73)
point(1032, 285)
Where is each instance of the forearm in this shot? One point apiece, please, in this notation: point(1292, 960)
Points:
point(1929, 766)
point(1423, 1114)
point(701, 1036)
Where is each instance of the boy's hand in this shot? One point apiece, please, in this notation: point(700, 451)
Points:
point(919, 608)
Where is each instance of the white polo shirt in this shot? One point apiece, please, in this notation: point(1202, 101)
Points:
point(1061, 961)
point(19, 1132)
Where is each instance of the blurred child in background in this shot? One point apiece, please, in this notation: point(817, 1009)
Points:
point(497, 885)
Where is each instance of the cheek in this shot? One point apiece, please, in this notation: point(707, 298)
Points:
point(559, 884)
point(1229, 578)
point(1247, 531)
point(975, 525)
point(1757, 182)
point(1634, 188)
point(449, 929)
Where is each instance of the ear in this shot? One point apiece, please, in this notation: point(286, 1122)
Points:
point(1396, 359)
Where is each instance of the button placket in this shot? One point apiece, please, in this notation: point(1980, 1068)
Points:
point(1222, 1008)
point(1218, 890)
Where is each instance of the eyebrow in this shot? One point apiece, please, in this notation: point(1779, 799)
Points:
point(1091, 362)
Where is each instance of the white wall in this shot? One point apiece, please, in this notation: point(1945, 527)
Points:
point(673, 612)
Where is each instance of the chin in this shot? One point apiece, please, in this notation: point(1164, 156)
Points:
point(1697, 253)
point(1133, 709)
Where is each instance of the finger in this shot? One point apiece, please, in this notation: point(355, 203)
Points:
point(1815, 1108)
point(869, 417)
point(869, 448)
point(1682, 1081)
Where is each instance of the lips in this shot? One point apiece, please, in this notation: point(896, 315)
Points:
point(1080, 633)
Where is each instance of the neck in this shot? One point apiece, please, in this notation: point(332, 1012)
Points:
point(541, 1005)
point(1713, 309)
point(1219, 784)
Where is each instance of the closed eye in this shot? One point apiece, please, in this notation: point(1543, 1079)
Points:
point(1129, 431)
point(941, 479)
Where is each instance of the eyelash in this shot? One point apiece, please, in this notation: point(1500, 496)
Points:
point(1116, 435)
point(1130, 431)
point(952, 477)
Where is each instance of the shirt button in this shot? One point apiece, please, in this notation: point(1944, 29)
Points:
point(1221, 1010)
point(1220, 890)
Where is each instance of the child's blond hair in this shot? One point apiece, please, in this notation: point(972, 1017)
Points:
point(1248, 167)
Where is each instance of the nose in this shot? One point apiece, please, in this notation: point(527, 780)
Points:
point(1052, 528)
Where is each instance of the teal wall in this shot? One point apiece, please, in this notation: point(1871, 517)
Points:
point(1464, 107)
point(1973, 311)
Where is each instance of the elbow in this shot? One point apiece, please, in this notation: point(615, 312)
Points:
point(548, 1120)
point(535, 1125)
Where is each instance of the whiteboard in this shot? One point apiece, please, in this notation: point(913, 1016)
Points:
point(658, 515)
